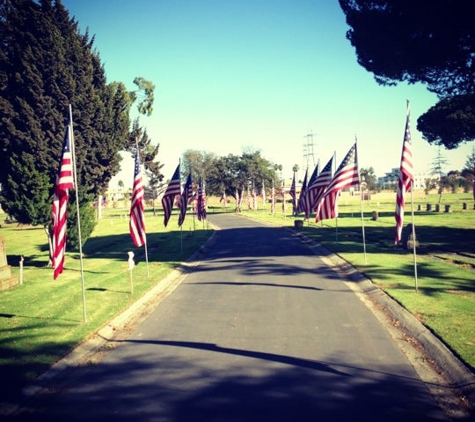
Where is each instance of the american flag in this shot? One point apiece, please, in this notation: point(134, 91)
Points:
point(263, 195)
point(184, 198)
point(406, 177)
point(272, 199)
point(172, 190)
point(302, 194)
point(137, 219)
point(305, 199)
point(282, 192)
point(241, 199)
point(64, 182)
point(254, 198)
point(224, 200)
point(317, 188)
point(345, 176)
point(201, 202)
point(293, 194)
point(238, 204)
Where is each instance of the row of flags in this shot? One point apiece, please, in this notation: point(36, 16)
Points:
point(319, 194)
point(174, 190)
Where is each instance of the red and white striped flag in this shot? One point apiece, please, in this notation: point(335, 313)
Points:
point(272, 199)
point(317, 188)
point(306, 197)
point(238, 204)
point(64, 182)
point(201, 202)
point(254, 199)
point(263, 195)
point(168, 198)
point(224, 200)
point(406, 177)
point(137, 219)
point(346, 175)
point(184, 199)
point(303, 190)
point(293, 194)
point(282, 192)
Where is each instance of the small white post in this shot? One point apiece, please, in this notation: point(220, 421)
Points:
point(131, 267)
point(21, 270)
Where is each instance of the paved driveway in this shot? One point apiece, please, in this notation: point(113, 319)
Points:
point(261, 330)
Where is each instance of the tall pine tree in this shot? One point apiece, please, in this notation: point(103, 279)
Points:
point(45, 65)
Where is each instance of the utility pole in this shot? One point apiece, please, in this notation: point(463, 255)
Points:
point(308, 157)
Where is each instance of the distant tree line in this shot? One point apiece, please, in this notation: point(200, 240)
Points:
point(231, 173)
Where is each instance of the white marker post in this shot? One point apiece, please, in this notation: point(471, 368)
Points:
point(131, 267)
point(21, 269)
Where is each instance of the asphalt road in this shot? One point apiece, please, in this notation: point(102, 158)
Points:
point(261, 330)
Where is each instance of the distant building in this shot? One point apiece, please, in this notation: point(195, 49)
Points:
point(389, 180)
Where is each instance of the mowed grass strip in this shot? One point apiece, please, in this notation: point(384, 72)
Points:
point(42, 319)
point(445, 258)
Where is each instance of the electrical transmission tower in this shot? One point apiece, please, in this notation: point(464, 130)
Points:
point(308, 157)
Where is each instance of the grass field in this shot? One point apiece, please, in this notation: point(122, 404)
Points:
point(42, 319)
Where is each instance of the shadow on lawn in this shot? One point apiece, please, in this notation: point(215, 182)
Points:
point(431, 238)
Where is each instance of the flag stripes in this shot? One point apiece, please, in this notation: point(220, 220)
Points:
point(303, 192)
point(406, 177)
point(346, 175)
point(64, 182)
point(173, 189)
point(293, 194)
point(137, 218)
point(184, 198)
point(201, 202)
point(316, 188)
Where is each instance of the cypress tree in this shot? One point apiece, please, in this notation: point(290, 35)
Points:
point(45, 65)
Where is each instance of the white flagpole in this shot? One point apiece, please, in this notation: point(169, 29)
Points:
point(73, 151)
point(361, 186)
point(362, 224)
point(146, 256)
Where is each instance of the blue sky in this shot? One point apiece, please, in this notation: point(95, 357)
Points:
point(260, 74)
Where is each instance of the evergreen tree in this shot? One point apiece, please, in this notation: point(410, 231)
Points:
point(46, 65)
point(417, 41)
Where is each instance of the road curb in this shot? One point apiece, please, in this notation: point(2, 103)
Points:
point(451, 367)
point(83, 354)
